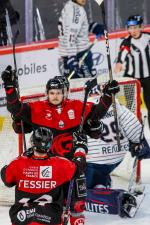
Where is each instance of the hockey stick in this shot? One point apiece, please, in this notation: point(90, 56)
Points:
point(17, 83)
point(138, 188)
point(102, 6)
point(68, 202)
point(88, 86)
point(15, 64)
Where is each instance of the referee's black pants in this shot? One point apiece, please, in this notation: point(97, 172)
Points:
point(145, 84)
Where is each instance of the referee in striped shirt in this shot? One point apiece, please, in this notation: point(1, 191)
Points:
point(135, 55)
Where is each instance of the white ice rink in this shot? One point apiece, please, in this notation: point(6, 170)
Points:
point(142, 217)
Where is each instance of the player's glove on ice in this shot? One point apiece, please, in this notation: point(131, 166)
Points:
point(111, 88)
point(8, 76)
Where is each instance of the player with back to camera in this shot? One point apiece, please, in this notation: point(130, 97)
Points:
point(134, 57)
point(39, 177)
point(104, 156)
point(63, 117)
point(73, 38)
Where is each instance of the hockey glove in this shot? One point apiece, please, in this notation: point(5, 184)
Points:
point(8, 76)
point(80, 150)
point(94, 128)
point(128, 205)
point(17, 126)
point(72, 64)
point(111, 88)
point(80, 162)
point(140, 150)
point(97, 29)
point(80, 141)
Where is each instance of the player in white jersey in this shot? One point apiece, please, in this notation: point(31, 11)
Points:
point(73, 38)
point(104, 156)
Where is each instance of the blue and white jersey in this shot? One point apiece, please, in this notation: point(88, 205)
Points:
point(73, 30)
point(105, 150)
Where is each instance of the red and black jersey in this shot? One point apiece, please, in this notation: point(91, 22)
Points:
point(38, 187)
point(63, 120)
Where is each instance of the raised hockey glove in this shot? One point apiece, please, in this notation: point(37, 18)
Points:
point(111, 88)
point(94, 128)
point(72, 64)
point(97, 29)
point(8, 76)
point(128, 205)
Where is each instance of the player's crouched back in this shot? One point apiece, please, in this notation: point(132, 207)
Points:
point(38, 177)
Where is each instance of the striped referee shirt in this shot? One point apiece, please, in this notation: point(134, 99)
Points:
point(135, 53)
point(73, 30)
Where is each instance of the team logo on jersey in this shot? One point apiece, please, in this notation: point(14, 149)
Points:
point(45, 172)
point(61, 124)
point(62, 144)
point(59, 110)
point(71, 114)
point(25, 214)
point(48, 115)
point(21, 215)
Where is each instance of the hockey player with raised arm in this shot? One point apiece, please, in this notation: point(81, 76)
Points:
point(61, 115)
point(39, 177)
point(16, 124)
point(73, 39)
point(104, 156)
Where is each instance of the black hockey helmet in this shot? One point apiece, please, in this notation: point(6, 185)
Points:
point(134, 20)
point(54, 83)
point(41, 139)
point(65, 80)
